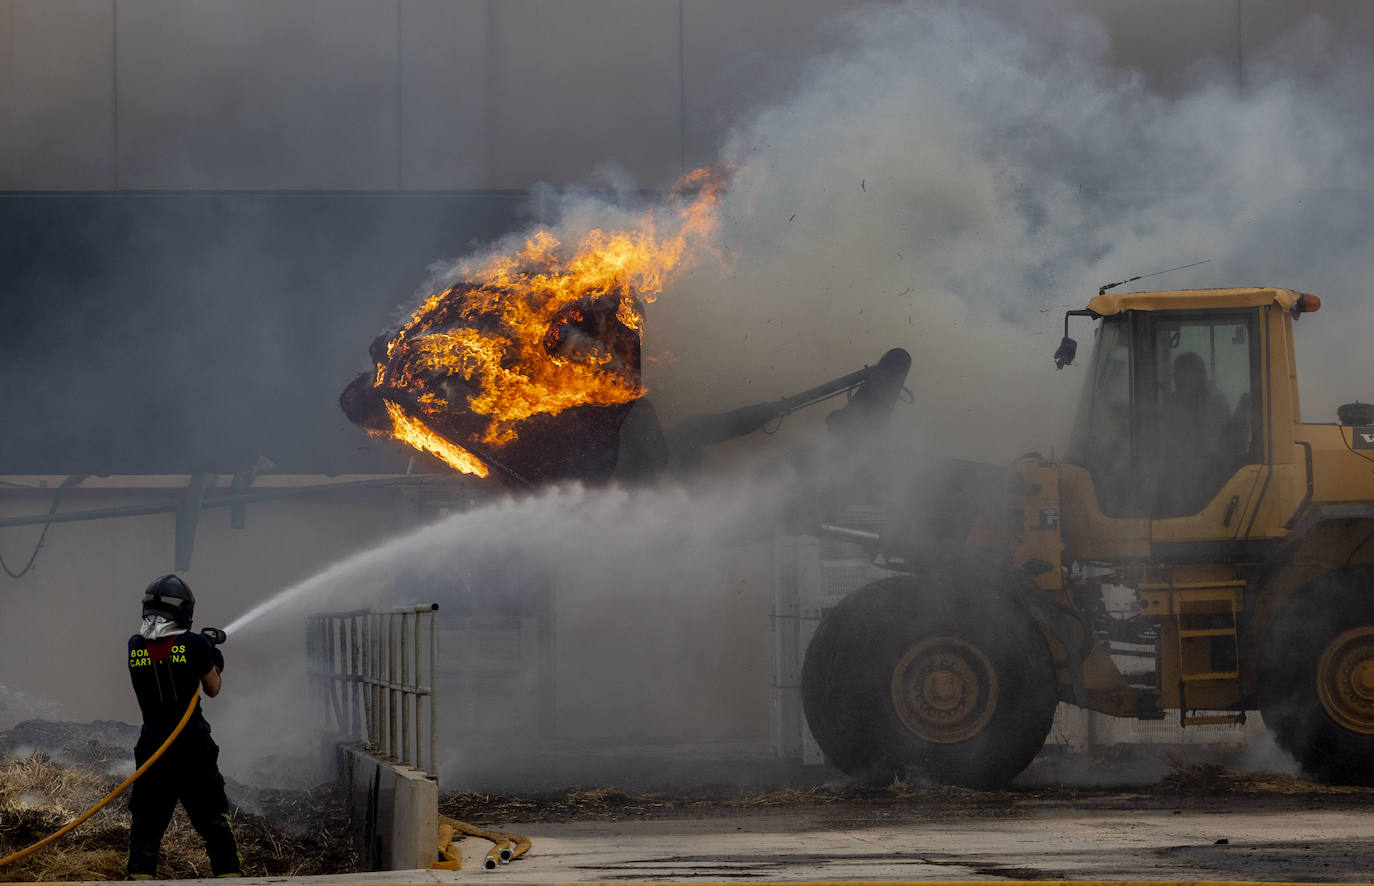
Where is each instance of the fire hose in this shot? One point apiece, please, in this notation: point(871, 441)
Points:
point(504, 847)
point(66, 829)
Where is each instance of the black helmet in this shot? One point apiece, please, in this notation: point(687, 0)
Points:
point(172, 597)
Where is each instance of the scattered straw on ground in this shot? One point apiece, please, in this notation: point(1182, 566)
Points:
point(304, 833)
point(1187, 785)
point(1213, 779)
point(612, 803)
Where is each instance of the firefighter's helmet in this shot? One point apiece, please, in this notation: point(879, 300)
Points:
point(172, 597)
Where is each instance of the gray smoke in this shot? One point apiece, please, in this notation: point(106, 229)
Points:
point(16, 706)
point(955, 176)
point(652, 638)
point(952, 182)
point(949, 182)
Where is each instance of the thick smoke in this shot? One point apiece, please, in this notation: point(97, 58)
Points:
point(652, 635)
point(952, 181)
point(949, 182)
point(956, 176)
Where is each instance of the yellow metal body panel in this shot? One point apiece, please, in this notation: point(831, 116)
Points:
point(1037, 545)
point(1192, 299)
point(1037, 539)
point(1088, 533)
point(1340, 473)
point(1210, 524)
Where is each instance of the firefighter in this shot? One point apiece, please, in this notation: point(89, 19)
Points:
point(167, 663)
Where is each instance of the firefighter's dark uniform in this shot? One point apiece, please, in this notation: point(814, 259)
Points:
point(166, 674)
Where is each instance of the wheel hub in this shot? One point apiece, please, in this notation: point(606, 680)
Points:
point(1345, 679)
point(944, 690)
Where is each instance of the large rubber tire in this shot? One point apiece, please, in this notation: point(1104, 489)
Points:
point(1316, 677)
point(931, 680)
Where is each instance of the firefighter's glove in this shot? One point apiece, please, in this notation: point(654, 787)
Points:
point(217, 658)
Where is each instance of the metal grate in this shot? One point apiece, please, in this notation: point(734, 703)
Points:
point(372, 671)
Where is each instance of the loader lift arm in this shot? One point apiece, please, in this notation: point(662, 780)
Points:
point(875, 390)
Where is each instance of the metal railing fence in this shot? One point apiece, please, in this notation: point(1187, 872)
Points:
point(373, 672)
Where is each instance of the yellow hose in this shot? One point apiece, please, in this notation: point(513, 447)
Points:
point(505, 847)
point(522, 845)
point(494, 854)
point(450, 859)
point(185, 718)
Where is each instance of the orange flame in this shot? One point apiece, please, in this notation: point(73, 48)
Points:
point(510, 340)
point(408, 430)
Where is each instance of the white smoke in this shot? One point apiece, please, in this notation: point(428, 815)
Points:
point(16, 706)
point(949, 182)
point(957, 175)
point(651, 636)
point(952, 181)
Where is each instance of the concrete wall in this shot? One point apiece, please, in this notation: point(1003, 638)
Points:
point(441, 94)
point(394, 811)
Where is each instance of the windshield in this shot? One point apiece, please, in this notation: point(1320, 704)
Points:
point(1101, 438)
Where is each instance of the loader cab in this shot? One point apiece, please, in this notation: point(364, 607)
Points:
point(1170, 409)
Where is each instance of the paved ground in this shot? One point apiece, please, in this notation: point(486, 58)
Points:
point(1102, 839)
point(1199, 822)
point(1316, 845)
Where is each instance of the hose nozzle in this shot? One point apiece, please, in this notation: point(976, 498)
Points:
point(214, 635)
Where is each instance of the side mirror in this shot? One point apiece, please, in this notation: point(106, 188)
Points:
point(1068, 349)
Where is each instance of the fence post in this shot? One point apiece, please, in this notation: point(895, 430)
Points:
point(405, 681)
point(393, 693)
point(433, 691)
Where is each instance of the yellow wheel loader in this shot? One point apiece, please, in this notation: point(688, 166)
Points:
point(1241, 539)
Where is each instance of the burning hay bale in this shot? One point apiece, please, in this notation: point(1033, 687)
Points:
point(530, 363)
point(292, 833)
point(578, 383)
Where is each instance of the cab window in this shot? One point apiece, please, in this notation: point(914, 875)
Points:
point(1204, 380)
point(1102, 440)
point(1169, 410)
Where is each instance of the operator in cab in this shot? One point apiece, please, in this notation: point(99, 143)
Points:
point(1195, 419)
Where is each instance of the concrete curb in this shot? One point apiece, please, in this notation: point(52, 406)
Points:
point(395, 811)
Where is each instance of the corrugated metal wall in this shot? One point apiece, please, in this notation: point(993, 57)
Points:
point(451, 94)
point(413, 94)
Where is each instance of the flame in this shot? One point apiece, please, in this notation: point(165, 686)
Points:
point(533, 332)
point(408, 430)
